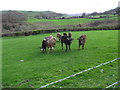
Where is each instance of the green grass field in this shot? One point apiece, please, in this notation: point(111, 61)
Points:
point(43, 24)
point(39, 68)
point(68, 21)
point(63, 21)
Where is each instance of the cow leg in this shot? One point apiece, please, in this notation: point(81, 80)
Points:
point(66, 47)
point(54, 46)
point(79, 47)
point(45, 49)
point(50, 48)
point(62, 45)
point(83, 46)
point(69, 46)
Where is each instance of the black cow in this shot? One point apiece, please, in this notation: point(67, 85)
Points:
point(67, 40)
point(44, 45)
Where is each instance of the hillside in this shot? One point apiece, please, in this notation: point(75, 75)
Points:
point(32, 14)
point(47, 20)
point(48, 15)
point(41, 14)
point(112, 11)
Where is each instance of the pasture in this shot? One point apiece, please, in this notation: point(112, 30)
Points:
point(25, 66)
point(47, 24)
point(63, 22)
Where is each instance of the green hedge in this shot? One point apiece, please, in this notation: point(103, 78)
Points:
point(27, 33)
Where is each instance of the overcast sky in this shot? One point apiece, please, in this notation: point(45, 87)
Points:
point(60, 6)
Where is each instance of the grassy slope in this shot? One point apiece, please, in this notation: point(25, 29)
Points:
point(30, 14)
point(39, 69)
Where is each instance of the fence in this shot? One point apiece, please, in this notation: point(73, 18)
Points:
point(111, 85)
point(76, 74)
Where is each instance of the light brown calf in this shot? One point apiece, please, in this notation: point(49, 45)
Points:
point(82, 40)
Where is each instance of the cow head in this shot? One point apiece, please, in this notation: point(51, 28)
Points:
point(70, 40)
point(65, 34)
point(81, 39)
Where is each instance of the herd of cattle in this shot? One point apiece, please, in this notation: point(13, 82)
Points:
point(50, 42)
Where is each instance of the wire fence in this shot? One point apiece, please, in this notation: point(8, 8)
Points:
point(78, 73)
point(111, 85)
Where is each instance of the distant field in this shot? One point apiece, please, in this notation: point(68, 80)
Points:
point(58, 23)
point(68, 21)
point(39, 69)
point(63, 21)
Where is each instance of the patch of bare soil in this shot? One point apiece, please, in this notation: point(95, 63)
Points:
point(101, 23)
point(45, 25)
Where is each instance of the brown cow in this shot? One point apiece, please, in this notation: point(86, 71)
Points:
point(48, 42)
point(59, 36)
point(82, 40)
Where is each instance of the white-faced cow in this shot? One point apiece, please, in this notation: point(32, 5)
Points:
point(48, 42)
point(82, 40)
point(59, 36)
